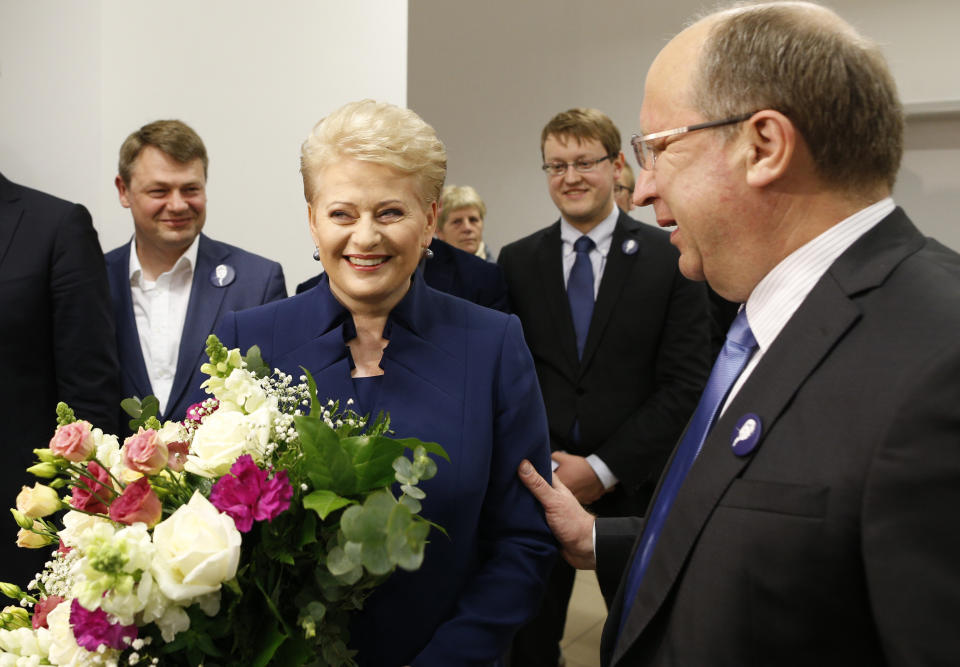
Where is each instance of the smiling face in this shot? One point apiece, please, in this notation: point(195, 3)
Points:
point(370, 226)
point(584, 199)
point(463, 229)
point(168, 201)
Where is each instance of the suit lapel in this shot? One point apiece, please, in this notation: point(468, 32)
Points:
point(202, 313)
point(825, 316)
point(10, 214)
point(128, 338)
point(615, 273)
point(549, 261)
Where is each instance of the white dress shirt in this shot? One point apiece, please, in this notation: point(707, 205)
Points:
point(779, 294)
point(160, 310)
point(602, 236)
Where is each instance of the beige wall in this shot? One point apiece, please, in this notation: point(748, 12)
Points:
point(489, 75)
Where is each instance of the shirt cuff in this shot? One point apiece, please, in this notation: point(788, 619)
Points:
point(606, 477)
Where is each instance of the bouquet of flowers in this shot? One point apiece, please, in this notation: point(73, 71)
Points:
point(246, 534)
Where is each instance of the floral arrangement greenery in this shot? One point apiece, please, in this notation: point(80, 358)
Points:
point(247, 534)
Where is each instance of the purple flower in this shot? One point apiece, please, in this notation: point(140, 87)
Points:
point(92, 629)
point(247, 495)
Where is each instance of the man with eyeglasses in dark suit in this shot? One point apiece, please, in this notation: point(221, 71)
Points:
point(620, 340)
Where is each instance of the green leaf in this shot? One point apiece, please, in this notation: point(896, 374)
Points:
point(431, 447)
point(256, 364)
point(308, 530)
point(372, 460)
point(323, 502)
point(406, 543)
point(270, 641)
point(325, 461)
point(312, 386)
point(140, 410)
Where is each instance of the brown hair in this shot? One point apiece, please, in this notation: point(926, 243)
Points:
point(173, 137)
point(583, 124)
point(807, 63)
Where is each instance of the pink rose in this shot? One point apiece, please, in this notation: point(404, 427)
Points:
point(144, 453)
point(178, 455)
point(138, 502)
point(100, 492)
point(73, 441)
point(246, 494)
point(43, 607)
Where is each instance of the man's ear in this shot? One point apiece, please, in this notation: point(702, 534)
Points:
point(772, 145)
point(618, 166)
point(122, 191)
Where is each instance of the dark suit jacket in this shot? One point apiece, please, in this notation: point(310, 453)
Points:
point(56, 340)
point(459, 375)
point(257, 281)
point(646, 358)
point(459, 273)
point(835, 542)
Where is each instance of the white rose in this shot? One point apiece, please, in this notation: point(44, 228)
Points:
point(198, 548)
point(64, 649)
point(76, 525)
point(171, 432)
point(107, 449)
point(218, 442)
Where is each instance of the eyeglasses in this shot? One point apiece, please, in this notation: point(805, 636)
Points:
point(622, 188)
point(581, 166)
point(647, 155)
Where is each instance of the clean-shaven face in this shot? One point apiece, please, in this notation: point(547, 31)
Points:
point(584, 199)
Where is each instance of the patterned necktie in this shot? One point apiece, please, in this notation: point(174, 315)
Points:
point(736, 352)
point(580, 290)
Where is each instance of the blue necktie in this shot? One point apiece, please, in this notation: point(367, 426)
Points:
point(731, 361)
point(580, 290)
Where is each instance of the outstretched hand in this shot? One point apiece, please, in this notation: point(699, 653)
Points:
point(571, 524)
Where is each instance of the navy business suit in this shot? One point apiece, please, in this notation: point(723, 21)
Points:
point(257, 281)
point(835, 542)
point(459, 375)
point(56, 341)
point(459, 273)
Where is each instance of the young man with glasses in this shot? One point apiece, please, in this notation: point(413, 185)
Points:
point(619, 337)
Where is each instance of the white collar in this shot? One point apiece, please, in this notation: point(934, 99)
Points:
point(186, 261)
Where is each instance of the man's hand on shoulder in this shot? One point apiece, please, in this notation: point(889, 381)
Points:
point(571, 524)
point(578, 476)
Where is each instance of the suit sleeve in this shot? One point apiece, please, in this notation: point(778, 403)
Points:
point(638, 450)
point(276, 285)
point(910, 541)
point(615, 539)
point(85, 352)
point(518, 549)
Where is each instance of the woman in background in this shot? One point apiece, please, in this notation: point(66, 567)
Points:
point(461, 220)
point(445, 370)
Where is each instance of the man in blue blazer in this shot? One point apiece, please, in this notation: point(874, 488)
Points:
point(171, 285)
point(56, 332)
point(459, 273)
point(815, 522)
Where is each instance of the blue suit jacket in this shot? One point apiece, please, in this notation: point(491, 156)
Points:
point(257, 281)
point(459, 273)
point(459, 375)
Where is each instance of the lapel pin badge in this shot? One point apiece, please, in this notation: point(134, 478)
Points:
point(746, 434)
point(630, 247)
point(222, 275)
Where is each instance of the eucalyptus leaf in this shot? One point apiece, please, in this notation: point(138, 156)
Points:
point(413, 491)
point(339, 562)
point(430, 447)
point(255, 363)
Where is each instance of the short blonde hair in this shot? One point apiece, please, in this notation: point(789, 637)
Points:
point(456, 197)
point(380, 133)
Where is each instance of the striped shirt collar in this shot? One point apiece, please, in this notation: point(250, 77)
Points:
point(779, 294)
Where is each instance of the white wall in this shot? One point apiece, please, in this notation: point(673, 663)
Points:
point(489, 75)
point(77, 76)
